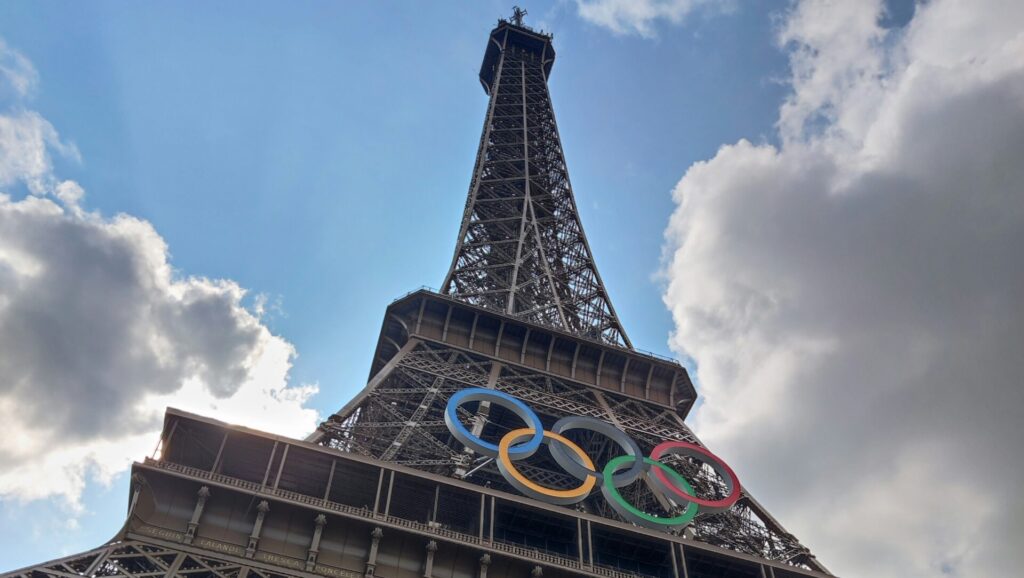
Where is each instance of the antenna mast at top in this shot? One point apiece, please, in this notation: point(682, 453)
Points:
point(517, 15)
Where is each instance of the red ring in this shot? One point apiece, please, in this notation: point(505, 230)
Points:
point(714, 505)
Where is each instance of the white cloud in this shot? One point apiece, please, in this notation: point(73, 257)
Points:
point(26, 139)
point(18, 78)
point(639, 16)
point(98, 333)
point(855, 296)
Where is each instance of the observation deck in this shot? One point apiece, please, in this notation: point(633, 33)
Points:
point(507, 34)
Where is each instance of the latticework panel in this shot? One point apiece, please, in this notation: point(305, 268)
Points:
point(134, 559)
point(521, 247)
point(402, 420)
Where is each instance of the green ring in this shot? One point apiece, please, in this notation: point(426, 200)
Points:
point(636, 515)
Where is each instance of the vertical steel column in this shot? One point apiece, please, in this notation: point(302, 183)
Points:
point(391, 486)
point(376, 498)
point(485, 561)
point(428, 566)
point(270, 462)
point(675, 561)
point(193, 524)
point(579, 539)
point(280, 467)
point(220, 453)
point(261, 511)
point(371, 560)
point(314, 545)
point(590, 544)
point(480, 526)
point(491, 540)
point(510, 306)
point(330, 481)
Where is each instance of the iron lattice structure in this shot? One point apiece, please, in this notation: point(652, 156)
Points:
point(428, 355)
point(521, 247)
point(133, 558)
point(382, 489)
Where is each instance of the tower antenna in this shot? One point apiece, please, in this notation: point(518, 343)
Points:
point(517, 15)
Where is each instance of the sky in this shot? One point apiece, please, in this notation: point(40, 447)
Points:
point(816, 206)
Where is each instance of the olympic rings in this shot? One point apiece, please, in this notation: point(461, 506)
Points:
point(638, 516)
point(732, 485)
point(619, 472)
point(451, 419)
point(578, 470)
point(533, 489)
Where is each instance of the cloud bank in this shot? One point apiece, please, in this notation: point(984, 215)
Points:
point(98, 333)
point(854, 296)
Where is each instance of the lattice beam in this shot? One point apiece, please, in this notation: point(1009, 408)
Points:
point(134, 559)
point(521, 248)
point(402, 421)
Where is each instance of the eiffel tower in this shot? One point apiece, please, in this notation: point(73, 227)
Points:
point(384, 489)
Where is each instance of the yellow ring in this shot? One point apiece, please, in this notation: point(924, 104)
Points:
point(528, 486)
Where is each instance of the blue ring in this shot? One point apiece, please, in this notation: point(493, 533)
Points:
point(516, 452)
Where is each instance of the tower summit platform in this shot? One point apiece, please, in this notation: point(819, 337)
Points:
point(508, 33)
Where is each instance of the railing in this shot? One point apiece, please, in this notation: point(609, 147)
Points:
point(417, 290)
point(514, 549)
point(437, 293)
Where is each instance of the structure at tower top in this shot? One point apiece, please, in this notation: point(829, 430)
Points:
point(513, 32)
point(517, 15)
point(521, 249)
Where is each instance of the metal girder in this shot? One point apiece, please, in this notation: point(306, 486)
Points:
point(402, 421)
point(521, 248)
point(135, 559)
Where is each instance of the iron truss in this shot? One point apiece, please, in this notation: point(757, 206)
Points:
point(521, 247)
point(401, 419)
point(135, 559)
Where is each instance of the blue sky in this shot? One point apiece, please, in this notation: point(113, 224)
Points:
point(842, 210)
